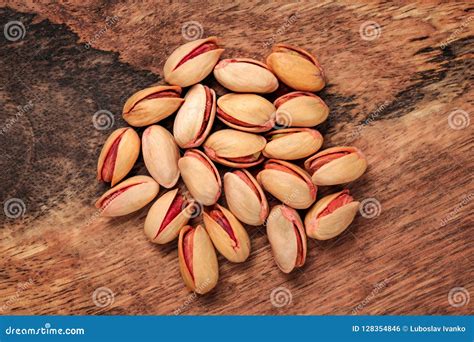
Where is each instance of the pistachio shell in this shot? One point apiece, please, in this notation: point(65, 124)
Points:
point(292, 143)
point(161, 155)
point(118, 155)
point(195, 118)
point(245, 75)
point(192, 62)
point(296, 68)
point(336, 165)
point(128, 196)
point(340, 216)
point(285, 232)
point(288, 183)
point(200, 176)
point(245, 197)
point(151, 105)
point(230, 240)
point(300, 109)
point(246, 112)
point(197, 260)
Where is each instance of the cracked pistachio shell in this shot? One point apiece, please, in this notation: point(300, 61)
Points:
point(287, 238)
point(245, 197)
point(192, 62)
point(288, 183)
point(246, 112)
point(334, 223)
point(245, 75)
point(296, 67)
point(235, 148)
point(292, 143)
point(118, 155)
point(200, 177)
point(161, 155)
point(128, 196)
point(167, 216)
point(336, 165)
point(197, 259)
point(151, 105)
point(227, 234)
point(195, 118)
point(300, 109)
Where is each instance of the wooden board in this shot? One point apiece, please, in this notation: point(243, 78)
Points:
point(401, 93)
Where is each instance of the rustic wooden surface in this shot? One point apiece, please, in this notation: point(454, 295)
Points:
point(399, 88)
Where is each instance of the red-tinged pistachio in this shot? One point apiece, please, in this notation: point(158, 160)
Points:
point(195, 117)
point(192, 62)
point(245, 197)
point(200, 176)
point(151, 105)
point(234, 148)
point(227, 233)
point(246, 112)
point(245, 75)
point(128, 196)
point(118, 155)
point(292, 143)
point(197, 259)
point(288, 183)
point(336, 165)
point(331, 215)
point(300, 109)
point(285, 232)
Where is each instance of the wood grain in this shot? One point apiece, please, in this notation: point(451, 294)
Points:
point(391, 97)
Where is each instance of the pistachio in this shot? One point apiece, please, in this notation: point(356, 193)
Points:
point(245, 197)
point(285, 232)
point(197, 259)
point(151, 105)
point(192, 62)
point(227, 234)
point(161, 155)
point(292, 143)
point(336, 165)
point(288, 183)
point(246, 112)
point(194, 119)
point(128, 196)
point(331, 215)
point(245, 75)
point(234, 148)
point(300, 109)
point(118, 155)
point(296, 67)
point(200, 176)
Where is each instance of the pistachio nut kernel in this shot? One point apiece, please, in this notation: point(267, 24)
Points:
point(161, 155)
point(151, 105)
point(192, 62)
point(235, 148)
point(118, 155)
point(197, 259)
point(288, 183)
point(296, 67)
point(331, 215)
point(128, 196)
point(200, 177)
point(336, 165)
point(245, 75)
point(227, 234)
point(245, 197)
point(246, 112)
point(287, 238)
point(292, 143)
point(195, 118)
point(300, 109)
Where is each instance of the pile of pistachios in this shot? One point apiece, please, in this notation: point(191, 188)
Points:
point(262, 137)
